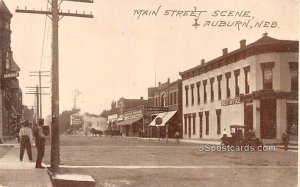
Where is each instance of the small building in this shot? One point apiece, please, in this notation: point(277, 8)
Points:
point(255, 86)
point(93, 121)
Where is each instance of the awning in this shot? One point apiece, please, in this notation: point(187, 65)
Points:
point(166, 116)
point(128, 122)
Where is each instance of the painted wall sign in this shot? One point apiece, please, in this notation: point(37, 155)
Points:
point(233, 101)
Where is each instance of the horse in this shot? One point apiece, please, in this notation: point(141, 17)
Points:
point(95, 132)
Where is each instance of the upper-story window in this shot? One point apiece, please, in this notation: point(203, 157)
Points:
point(212, 95)
point(198, 92)
point(6, 24)
point(204, 91)
point(267, 70)
point(192, 93)
point(228, 75)
point(236, 80)
point(219, 78)
point(294, 75)
point(7, 60)
point(186, 95)
point(163, 100)
point(175, 98)
point(247, 84)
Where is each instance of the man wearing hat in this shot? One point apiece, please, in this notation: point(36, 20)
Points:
point(40, 144)
point(25, 137)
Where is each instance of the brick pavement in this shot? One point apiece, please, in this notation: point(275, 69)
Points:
point(14, 173)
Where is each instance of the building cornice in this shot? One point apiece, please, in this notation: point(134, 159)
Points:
point(253, 49)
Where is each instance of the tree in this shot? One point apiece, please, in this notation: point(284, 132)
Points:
point(28, 113)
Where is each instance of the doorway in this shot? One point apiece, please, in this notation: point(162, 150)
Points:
point(268, 118)
point(248, 116)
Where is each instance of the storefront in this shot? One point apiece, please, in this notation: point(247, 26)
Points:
point(164, 125)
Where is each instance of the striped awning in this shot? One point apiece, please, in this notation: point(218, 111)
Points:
point(166, 116)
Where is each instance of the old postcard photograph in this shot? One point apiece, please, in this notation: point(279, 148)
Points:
point(140, 93)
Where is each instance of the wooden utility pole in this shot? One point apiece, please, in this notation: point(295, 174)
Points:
point(55, 13)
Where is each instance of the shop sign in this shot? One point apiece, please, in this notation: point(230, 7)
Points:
point(158, 109)
point(133, 114)
point(76, 120)
point(233, 101)
point(10, 75)
point(112, 117)
point(158, 121)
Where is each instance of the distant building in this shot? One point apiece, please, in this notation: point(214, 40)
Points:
point(10, 93)
point(124, 104)
point(166, 95)
point(255, 86)
point(130, 116)
point(93, 121)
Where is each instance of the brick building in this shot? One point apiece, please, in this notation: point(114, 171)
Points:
point(10, 93)
point(255, 86)
point(166, 95)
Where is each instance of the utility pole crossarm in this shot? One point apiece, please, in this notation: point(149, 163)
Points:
point(83, 15)
point(81, 1)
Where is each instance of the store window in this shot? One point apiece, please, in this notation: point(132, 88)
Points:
point(194, 124)
point(185, 124)
point(207, 122)
point(218, 112)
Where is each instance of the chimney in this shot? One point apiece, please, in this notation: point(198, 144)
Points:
point(141, 98)
point(225, 51)
point(265, 34)
point(202, 61)
point(158, 83)
point(242, 43)
point(168, 80)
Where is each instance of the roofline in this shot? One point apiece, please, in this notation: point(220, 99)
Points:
point(241, 53)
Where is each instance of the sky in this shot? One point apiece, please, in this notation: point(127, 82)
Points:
point(120, 54)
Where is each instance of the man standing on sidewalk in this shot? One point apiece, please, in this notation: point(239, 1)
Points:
point(40, 144)
point(25, 137)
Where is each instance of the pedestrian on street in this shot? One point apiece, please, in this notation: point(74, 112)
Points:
point(177, 137)
point(25, 135)
point(224, 133)
point(40, 144)
point(285, 139)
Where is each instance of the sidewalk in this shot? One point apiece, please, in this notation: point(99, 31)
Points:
point(14, 173)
